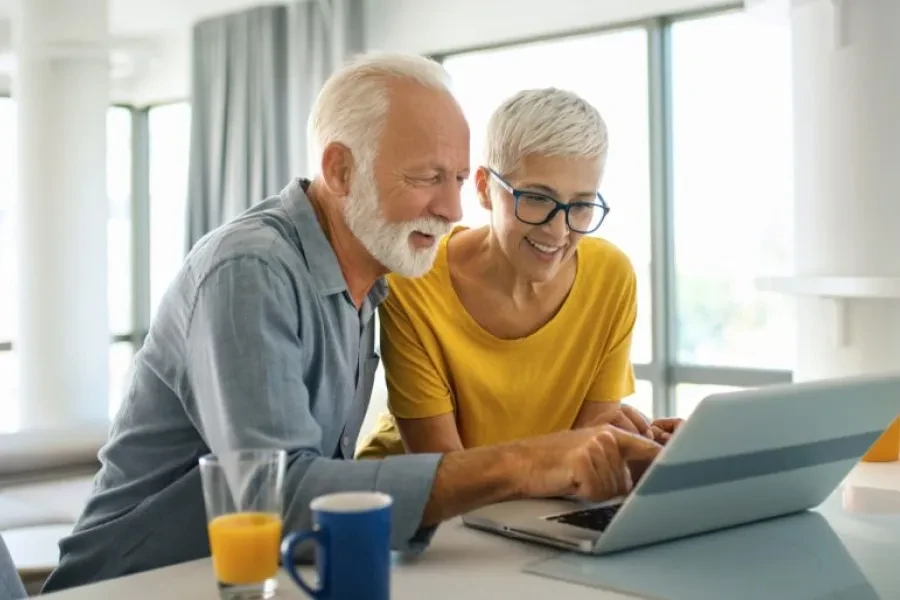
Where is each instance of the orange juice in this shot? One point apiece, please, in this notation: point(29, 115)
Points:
point(887, 447)
point(245, 546)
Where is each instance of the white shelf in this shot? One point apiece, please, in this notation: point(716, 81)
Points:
point(874, 288)
point(838, 291)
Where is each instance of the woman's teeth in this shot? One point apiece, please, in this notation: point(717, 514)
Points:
point(543, 247)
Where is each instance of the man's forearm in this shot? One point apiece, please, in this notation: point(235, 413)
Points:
point(469, 479)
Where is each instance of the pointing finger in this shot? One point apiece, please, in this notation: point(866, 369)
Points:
point(635, 447)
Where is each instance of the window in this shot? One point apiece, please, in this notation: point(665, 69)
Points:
point(8, 191)
point(642, 399)
point(119, 172)
point(9, 409)
point(118, 187)
point(121, 356)
point(119, 229)
point(170, 131)
point(733, 189)
point(9, 380)
point(689, 395)
point(616, 83)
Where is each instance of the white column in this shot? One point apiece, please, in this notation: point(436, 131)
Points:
point(847, 203)
point(61, 88)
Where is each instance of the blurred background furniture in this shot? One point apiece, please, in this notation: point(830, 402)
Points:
point(45, 480)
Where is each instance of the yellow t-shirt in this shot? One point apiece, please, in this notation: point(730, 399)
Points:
point(439, 360)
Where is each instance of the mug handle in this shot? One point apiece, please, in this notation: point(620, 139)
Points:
point(287, 561)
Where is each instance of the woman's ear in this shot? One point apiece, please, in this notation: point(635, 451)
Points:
point(482, 186)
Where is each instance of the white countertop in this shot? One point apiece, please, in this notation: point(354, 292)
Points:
point(461, 561)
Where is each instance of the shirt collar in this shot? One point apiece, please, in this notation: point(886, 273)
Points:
point(320, 258)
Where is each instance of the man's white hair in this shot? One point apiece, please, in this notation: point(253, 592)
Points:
point(352, 106)
point(544, 122)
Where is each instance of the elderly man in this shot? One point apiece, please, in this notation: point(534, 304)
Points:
point(266, 337)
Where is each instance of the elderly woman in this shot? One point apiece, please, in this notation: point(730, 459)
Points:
point(522, 327)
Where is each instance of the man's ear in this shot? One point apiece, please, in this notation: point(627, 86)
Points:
point(337, 169)
point(482, 186)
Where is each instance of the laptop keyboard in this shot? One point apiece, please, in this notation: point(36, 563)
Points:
point(596, 519)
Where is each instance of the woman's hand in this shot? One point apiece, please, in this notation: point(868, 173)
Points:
point(663, 429)
point(629, 419)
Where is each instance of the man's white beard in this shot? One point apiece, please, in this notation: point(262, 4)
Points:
point(389, 243)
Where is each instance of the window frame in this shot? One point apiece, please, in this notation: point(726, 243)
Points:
point(664, 372)
point(140, 228)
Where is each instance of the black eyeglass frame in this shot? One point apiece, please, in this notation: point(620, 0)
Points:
point(558, 206)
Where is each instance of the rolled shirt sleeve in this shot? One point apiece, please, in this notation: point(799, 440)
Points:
point(244, 362)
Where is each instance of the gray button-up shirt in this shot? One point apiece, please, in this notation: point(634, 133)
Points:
point(256, 344)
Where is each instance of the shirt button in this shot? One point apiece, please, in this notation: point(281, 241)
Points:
point(345, 440)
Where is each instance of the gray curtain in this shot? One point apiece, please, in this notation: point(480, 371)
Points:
point(255, 76)
point(323, 34)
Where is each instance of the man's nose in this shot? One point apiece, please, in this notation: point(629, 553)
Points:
point(447, 203)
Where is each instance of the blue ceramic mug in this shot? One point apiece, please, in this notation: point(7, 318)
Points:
point(352, 533)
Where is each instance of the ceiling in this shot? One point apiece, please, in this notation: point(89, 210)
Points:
point(145, 36)
point(143, 18)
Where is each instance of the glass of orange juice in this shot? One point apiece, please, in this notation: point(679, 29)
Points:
point(243, 495)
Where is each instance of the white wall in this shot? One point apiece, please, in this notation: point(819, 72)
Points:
point(167, 76)
point(440, 26)
point(420, 26)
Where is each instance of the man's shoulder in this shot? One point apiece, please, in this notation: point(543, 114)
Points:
point(261, 238)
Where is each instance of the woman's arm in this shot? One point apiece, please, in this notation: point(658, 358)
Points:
point(593, 412)
point(430, 434)
point(419, 396)
point(614, 379)
point(623, 416)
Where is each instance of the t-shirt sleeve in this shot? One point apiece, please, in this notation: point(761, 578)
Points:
point(615, 375)
point(417, 387)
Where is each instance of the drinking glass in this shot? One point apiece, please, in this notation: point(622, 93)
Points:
point(243, 495)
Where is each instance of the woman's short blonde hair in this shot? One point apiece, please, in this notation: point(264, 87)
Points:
point(544, 122)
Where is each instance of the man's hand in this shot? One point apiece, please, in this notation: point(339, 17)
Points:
point(590, 463)
point(664, 429)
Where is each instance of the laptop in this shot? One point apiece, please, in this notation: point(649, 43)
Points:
point(741, 457)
